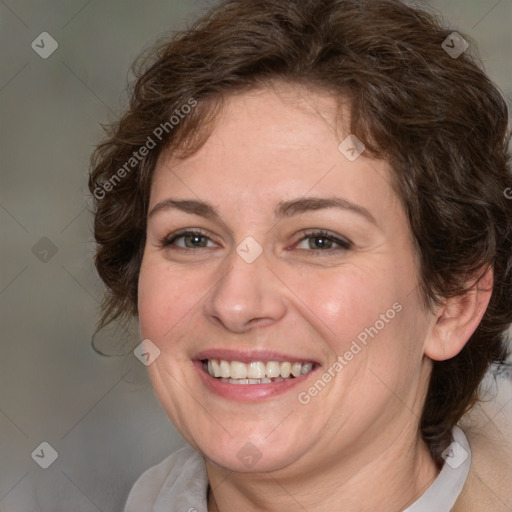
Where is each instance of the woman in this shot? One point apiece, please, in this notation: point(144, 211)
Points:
point(305, 207)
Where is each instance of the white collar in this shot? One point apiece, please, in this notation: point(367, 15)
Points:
point(446, 488)
point(180, 482)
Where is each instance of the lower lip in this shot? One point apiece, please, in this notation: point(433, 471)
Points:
point(248, 392)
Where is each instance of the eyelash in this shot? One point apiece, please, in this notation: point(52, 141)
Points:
point(344, 245)
point(169, 240)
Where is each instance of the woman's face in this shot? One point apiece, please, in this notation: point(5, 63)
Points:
point(272, 250)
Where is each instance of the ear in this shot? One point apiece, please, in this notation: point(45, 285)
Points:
point(458, 318)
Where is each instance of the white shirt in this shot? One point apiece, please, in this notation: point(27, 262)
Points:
point(180, 483)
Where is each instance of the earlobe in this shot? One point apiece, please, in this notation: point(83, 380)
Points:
point(458, 319)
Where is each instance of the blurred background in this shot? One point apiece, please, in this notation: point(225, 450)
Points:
point(64, 69)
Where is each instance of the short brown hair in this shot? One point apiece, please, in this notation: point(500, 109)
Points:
point(437, 119)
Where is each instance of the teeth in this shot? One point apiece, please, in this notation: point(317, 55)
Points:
point(215, 371)
point(273, 369)
point(306, 368)
point(225, 369)
point(256, 372)
point(251, 381)
point(286, 369)
point(296, 368)
point(238, 370)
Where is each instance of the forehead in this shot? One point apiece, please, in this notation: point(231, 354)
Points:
point(280, 117)
point(275, 144)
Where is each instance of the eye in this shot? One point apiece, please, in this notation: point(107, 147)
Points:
point(322, 241)
point(192, 239)
point(314, 241)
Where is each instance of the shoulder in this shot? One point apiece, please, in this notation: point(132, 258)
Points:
point(489, 484)
point(180, 479)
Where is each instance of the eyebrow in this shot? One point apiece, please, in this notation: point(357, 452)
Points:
point(284, 208)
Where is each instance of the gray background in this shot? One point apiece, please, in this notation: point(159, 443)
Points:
point(98, 413)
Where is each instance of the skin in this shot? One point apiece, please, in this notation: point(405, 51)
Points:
point(360, 432)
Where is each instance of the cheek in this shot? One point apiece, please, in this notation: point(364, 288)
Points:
point(346, 301)
point(163, 298)
point(370, 318)
point(373, 324)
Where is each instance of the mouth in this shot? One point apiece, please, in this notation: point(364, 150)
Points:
point(256, 372)
point(252, 375)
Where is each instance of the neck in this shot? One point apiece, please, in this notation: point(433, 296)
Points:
point(386, 476)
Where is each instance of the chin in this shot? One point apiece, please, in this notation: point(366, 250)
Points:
point(251, 459)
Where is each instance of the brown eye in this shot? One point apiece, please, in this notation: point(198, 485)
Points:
point(188, 240)
point(321, 241)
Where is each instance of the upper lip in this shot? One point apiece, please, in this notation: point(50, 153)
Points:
point(248, 356)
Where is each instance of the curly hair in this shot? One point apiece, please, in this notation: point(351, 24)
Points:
point(434, 116)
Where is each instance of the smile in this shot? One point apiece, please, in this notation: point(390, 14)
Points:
point(255, 372)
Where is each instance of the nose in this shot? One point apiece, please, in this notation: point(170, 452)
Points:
point(246, 296)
